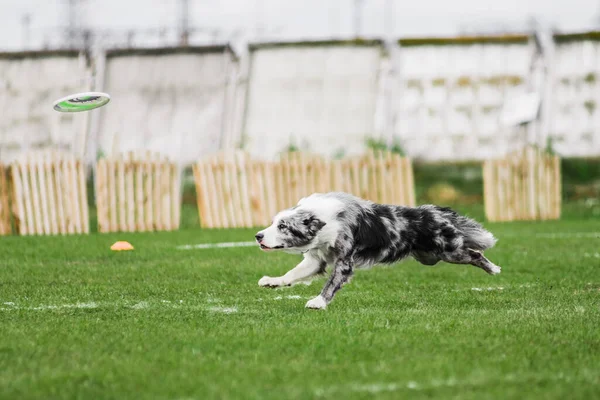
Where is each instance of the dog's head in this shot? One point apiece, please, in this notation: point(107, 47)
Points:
point(291, 230)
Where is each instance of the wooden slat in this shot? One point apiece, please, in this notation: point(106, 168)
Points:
point(271, 201)
point(201, 197)
point(399, 197)
point(18, 200)
point(557, 194)
point(372, 176)
point(218, 182)
point(61, 196)
point(305, 165)
point(102, 196)
point(121, 195)
point(532, 184)
point(166, 195)
point(410, 184)
point(175, 187)
point(543, 197)
point(299, 168)
point(51, 187)
point(40, 177)
point(258, 201)
point(35, 193)
point(354, 165)
point(129, 176)
point(159, 217)
point(27, 198)
point(388, 178)
point(290, 185)
point(244, 172)
point(140, 204)
point(5, 228)
point(233, 192)
point(85, 212)
point(225, 180)
point(488, 199)
point(75, 198)
point(215, 205)
point(279, 186)
point(112, 195)
point(148, 192)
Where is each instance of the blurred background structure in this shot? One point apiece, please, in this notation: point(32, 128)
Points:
point(435, 81)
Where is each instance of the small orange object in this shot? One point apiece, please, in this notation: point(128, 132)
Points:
point(121, 246)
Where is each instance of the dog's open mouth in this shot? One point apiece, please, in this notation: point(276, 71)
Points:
point(267, 248)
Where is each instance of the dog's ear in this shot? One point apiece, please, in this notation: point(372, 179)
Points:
point(314, 223)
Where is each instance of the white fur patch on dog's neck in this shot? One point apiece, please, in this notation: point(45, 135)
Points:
point(325, 208)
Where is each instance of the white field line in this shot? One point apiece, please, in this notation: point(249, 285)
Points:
point(12, 306)
point(374, 388)
point(477, 289)
point(142, 305)
point(216, 245)
point(290, 297)
point(561, 235)
point(543, 235)
point(492, 288)
point(224, 310)
point(213, 305)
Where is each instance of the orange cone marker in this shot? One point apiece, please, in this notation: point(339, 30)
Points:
point(121, 246)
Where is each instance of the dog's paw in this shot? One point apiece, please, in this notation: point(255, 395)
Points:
point(267, 281)
point(494, 270)
point(318, 303)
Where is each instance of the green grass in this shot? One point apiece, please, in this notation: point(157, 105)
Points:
point(150, 323)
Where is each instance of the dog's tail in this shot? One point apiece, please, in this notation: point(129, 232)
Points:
point(475, 236)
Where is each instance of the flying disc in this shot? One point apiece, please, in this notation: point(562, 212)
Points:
point(81, 102)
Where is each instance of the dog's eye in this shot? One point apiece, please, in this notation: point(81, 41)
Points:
point(281, 227)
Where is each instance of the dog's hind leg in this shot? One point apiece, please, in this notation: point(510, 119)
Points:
point(473, 257)
point(309, 267)
point(425, 258)
point(342, 272)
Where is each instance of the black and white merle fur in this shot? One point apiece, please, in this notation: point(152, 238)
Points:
point(348, 232)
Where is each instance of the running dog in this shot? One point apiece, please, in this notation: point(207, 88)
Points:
point(347, 232)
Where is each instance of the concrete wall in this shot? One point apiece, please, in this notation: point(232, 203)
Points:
point(441, 98)
point(450, 94)
point(320, 97)
point(173, 101)
point(575, 118)
point(29, 85)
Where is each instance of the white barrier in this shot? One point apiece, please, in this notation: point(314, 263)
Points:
point(29, 84)
point(319, 96)
point(441, 98)
point(172, 101)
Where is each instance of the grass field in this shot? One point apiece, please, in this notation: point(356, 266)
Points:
point(78, 321)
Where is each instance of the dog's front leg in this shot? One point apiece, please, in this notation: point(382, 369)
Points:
point(342, 272)
point(308, 267)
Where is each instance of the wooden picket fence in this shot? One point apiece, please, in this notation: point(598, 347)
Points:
point(5, 215)
point(49, 194)
point(525, 185)
point(236, 191)
point(137, 193)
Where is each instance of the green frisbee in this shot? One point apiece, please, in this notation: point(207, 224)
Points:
point(81, 102)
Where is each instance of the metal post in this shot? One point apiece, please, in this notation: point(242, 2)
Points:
point(184, 22)
point(358, 17)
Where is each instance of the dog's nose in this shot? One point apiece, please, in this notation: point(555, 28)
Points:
point(259, 236)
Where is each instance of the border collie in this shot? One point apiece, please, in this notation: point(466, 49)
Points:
point(347, 232)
